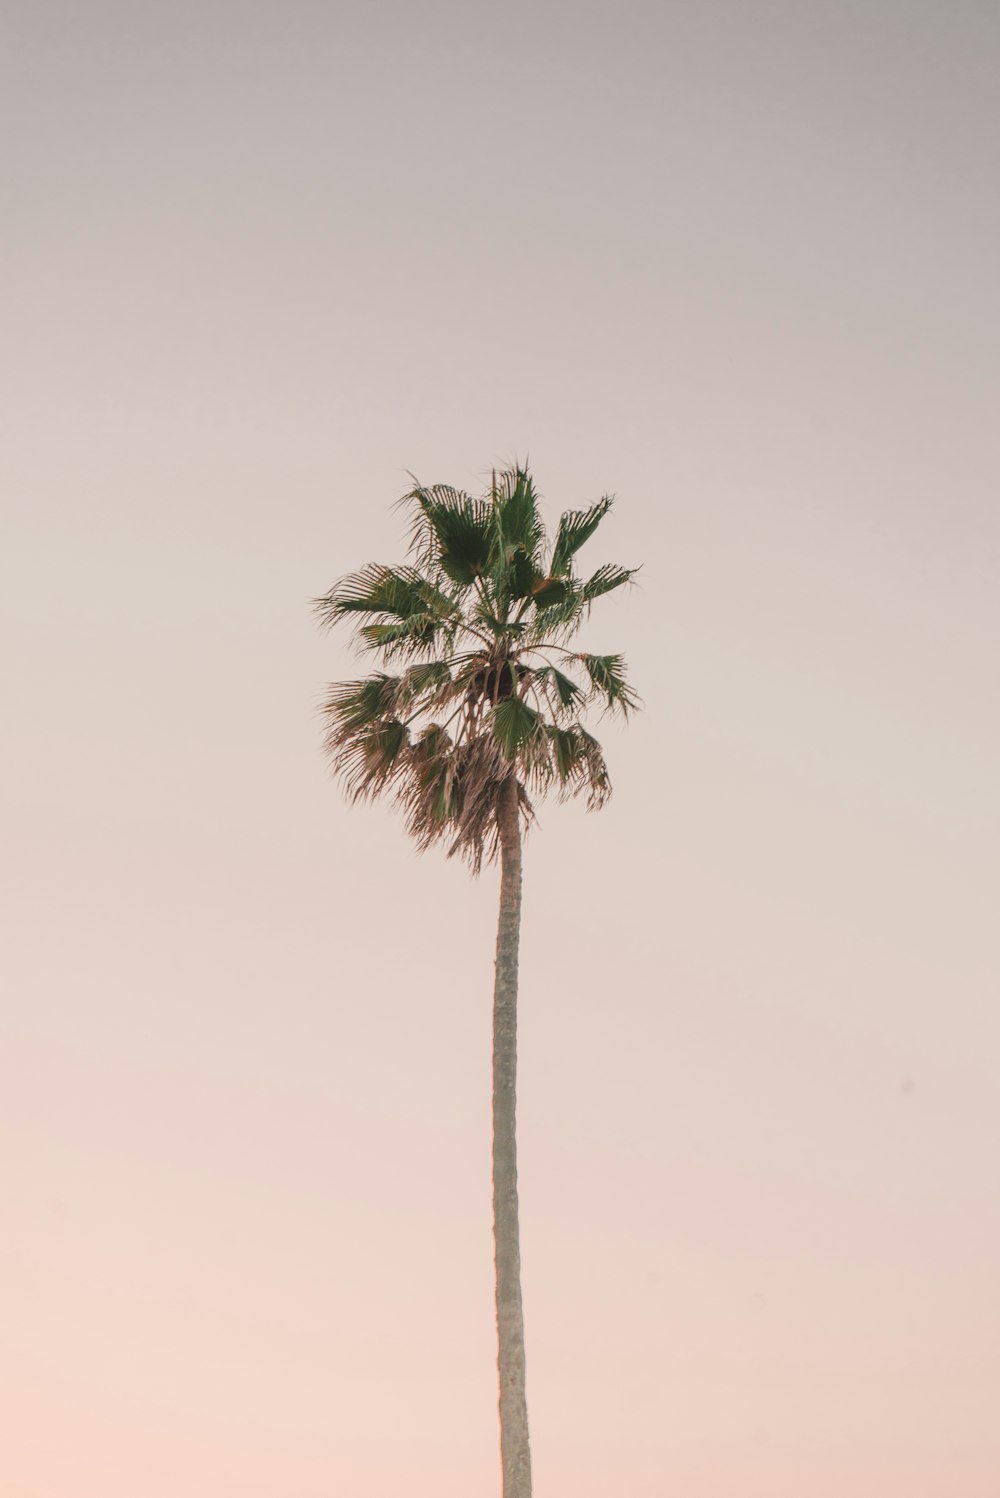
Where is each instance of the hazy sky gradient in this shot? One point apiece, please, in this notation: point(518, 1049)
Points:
point(736, 262)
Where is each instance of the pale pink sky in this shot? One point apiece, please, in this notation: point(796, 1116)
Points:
point(736, 262)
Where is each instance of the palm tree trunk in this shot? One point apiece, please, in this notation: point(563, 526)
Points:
point(514, 1451)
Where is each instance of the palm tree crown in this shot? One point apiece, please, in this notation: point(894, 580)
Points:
point(487, 687)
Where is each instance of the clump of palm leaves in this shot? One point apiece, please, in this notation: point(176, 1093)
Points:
point(478, 625)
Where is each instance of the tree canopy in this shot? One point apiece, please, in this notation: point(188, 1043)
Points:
point(478, 626)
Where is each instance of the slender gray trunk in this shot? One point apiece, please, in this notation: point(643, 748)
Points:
point(514, 1451)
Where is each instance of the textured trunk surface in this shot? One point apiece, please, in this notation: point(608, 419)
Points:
point(514, 1451)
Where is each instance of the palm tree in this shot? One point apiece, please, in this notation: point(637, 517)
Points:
point(482, 714)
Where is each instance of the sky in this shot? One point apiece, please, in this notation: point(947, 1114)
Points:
point(736, 263)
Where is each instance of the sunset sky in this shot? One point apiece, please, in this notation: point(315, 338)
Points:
point(736, 261)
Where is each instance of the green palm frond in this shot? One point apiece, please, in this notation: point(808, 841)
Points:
point(563, 603)
point(557, 614)
point(517, 576)
point(515, 509)
point(514, 722)
point(429, 682)
point(351, 705)
point(586, 770)
point(551, 592)
point(451, 531)
point(605, 579)
point(576, 527)
point(561, 692)
point(608, 682)
point(418, 635)
point(396, 592)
